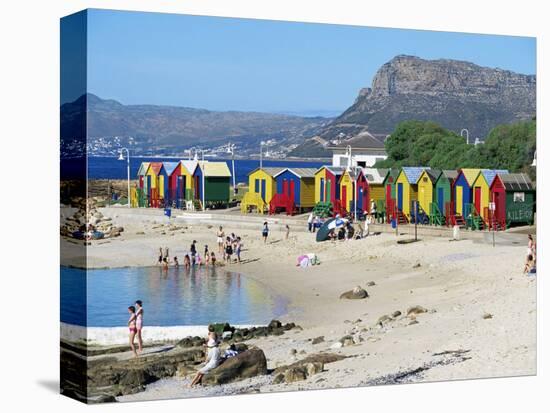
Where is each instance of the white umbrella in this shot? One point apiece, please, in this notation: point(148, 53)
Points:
point(337, 223)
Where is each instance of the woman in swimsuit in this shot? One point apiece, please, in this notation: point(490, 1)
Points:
point(132, 328)
point(139, 324)
point(220, 235)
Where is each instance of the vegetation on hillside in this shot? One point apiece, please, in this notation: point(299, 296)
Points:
point(418, 143)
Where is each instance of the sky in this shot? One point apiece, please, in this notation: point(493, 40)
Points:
point(266, 66)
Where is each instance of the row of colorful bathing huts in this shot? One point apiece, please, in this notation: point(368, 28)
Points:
point(477, 198)
point(174, 184)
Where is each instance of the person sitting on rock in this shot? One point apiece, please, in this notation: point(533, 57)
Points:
point(213, 358)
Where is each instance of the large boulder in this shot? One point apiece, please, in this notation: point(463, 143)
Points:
point(357, 293)
point(250, 363)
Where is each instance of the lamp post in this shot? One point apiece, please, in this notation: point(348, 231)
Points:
point(467, 135)
point(121, 158)
point(231, 150)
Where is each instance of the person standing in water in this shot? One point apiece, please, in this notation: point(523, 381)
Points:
point(139, 324)
point(193, 251)
point(220, 238)
point(132, 328)
point(265, 232)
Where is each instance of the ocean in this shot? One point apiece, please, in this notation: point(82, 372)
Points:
point(112, 168)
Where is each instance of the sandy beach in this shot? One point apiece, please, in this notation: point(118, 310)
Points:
point(480, 318)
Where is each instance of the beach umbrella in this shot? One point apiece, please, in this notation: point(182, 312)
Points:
point(334, 223)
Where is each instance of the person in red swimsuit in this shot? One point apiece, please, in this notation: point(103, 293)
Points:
point(132, 328)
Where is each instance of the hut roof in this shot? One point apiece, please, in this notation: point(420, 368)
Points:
point(491, 174)
point(449, 173)
point(170, 167)
point(374, 175)
point(517, 182)
point(270, 170)
point(354, 172)
point(412, 173)
point(190, 165)
point(300, 172)
point(155, 167)
point(143, 168)
point(433, 174)
point(219, 169)
point(470, 175)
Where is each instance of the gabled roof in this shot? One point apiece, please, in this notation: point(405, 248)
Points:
point(215, 169)
point(300, 172)
point(470, 175)
point(375, 175)
point(354, 172)
point(154, 167)
point(143, 168)
point(190, 165)
point(449, 174)
point(412, 173)
point(433, 174)
point(270, 170)
point(393, 173)
point(517, 182)
point(170, 167)
point(490, 174)
point(363, 140)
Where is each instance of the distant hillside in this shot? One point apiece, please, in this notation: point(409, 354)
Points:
point(152, 129)
point(452, 93)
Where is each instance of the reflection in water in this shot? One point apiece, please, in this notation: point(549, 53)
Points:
point(174, 296)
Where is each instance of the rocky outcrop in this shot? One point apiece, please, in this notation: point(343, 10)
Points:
point(452, 93)
point(89, 223)
point(250, 363)
point(305, 368)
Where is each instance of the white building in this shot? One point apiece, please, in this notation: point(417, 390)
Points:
point(366, 150)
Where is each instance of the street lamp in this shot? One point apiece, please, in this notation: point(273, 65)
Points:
point(467, 135)
point(121, 158)
point(203, 188)
point(231, 150)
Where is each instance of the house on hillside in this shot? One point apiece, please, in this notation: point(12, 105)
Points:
point(366, 150)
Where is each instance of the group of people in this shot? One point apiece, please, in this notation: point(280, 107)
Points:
point(190, 259)
point(135, 326)
point(229, 246)
point(531, 261)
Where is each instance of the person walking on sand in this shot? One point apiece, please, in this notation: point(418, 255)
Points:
point(220, 237)
point(139, 324)
point(213, 358)
point(287, 233)
point(265, 232)
point(310, 222)
point(132, 328)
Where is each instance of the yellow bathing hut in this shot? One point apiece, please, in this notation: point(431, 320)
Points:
point(481, 188)
point(155, 184)
point(406, 189)
point(426, 183)
point(261, 188)
point(187, 171)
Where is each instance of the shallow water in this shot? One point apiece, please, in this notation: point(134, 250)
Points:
point(173, 297)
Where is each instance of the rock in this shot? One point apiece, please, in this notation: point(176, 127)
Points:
point(274, 324)
point(417, 309)
point(337, 345)
point(417, 265)
point(371, 284)
point(347, 341)
point(396, 314)
point(413, 322)
point(357, 293)
point(294, 374)
point(318, 340)
point(293, 352)
point(487, 316)
point(384, 319)
point(250, 363)
point(305, 368)
point(140, 233)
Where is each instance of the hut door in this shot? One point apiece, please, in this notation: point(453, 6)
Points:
point(291, 190)
point(344, 195)
point(141, 182)
point(440, 199)
point(459, 205)
point(329, 188)
point(263, 189)
point(322, 191)
point(285, 186)
point(400, 196)
point(360, 199)
point(477, 199)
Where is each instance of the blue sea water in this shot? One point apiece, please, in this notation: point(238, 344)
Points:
point(173, 297)
point(112, 168)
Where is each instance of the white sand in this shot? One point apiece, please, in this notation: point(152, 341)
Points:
point(458, 282)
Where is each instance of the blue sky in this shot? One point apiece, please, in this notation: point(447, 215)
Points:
point(268, 66)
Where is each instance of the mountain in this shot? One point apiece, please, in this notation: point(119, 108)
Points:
point(454, 94)
point(158, 130)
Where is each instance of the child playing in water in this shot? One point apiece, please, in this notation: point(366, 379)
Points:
point(186, 262)
point(213, 258)
point(132, 328)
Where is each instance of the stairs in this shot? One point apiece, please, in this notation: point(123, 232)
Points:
point(197, 205)
point(436, 216)
point(402, 218)
point(421, 216)
point(253, 200)
point(281, 202)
